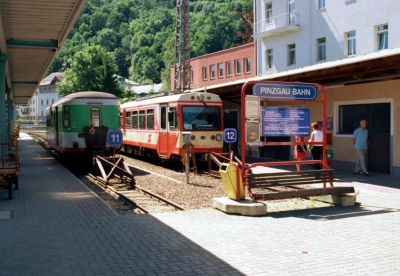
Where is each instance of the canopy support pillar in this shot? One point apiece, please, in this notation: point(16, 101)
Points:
point(3, 116)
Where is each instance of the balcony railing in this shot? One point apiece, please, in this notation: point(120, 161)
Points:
point(277, 24)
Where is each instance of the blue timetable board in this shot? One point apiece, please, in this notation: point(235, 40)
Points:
point(285, 121)
point(298, 91)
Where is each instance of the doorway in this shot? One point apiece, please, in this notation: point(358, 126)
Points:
point(378, 116)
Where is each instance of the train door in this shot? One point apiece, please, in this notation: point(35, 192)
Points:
point(163, 138)
point(56, 126)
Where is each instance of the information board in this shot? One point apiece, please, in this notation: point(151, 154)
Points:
point(114, 138)
point(285, 121)
point(305, 92)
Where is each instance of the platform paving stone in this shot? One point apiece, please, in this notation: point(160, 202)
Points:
point(361, 240)
point(59, 227)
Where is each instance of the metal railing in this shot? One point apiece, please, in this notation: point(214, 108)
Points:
point(281, 21)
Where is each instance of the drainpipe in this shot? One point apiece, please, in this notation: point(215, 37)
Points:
point(3, 126)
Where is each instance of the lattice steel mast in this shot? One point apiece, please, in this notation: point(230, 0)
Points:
point(182, 47)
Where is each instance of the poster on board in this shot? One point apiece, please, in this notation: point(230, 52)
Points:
point(285, 121)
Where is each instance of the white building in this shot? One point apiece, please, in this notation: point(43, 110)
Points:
point(45, 95)
point(352, 47)
point(291, 34)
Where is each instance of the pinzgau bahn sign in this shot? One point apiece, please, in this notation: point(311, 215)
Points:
point(305, 92)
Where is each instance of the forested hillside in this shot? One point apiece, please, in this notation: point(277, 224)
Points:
point(140, 33)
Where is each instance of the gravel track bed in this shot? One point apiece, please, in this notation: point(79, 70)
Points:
point(198, 194)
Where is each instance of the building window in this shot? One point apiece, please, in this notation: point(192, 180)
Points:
point(268, 12)
point(321, 4)
point(229, 68)
point(383, 37)
point(291, 54)
point(247, 65)
point(41, 102)
point(212, 71)
point(47, 101)
point(269, 58)
point(351, 43)
point(321, 49)
point(205, 73)
point(191, 76)
point(220, 70)
point(52, 101)
point(292, 13)
point(238, 67)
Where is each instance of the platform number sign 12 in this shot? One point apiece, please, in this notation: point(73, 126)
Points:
point(115, 138)
point(230, 135)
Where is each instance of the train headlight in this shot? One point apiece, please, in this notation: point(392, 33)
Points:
point(200, 97)
point(218, 137)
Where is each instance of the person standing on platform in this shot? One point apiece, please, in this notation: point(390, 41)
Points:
point(316, 137)
point(360, 141)
point(299, 151)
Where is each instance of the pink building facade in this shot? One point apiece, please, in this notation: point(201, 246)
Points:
point(222, 67)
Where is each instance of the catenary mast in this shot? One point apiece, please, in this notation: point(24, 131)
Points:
point(182, 47)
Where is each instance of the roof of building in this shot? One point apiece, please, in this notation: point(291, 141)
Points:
point(251, 44)
point(311, 68)
point(51, 78)
point(124, 80)
point(146, 89)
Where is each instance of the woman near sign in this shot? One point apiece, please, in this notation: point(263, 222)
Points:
point(317, 137)
point(299, 150)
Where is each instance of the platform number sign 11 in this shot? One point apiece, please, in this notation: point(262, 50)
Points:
point(230, 135)
point(115, 138)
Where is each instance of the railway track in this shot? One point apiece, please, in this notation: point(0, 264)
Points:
point(167, 181)
point(144, 200)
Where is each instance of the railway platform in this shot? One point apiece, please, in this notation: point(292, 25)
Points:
point(56, 226)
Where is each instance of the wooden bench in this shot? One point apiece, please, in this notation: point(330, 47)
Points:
point(269, 182)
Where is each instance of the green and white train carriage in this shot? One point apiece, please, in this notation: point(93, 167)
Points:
point(79, 123)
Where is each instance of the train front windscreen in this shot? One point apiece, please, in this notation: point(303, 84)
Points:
point(201, 118)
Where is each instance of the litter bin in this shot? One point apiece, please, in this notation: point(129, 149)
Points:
point(230, 176)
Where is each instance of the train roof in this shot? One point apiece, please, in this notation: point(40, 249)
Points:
point(191, 96)
point(85, 95)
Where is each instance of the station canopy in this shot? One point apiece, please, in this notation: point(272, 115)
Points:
point(31, 33)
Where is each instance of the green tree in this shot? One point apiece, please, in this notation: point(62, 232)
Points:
point(92, 69)
point(141, 33)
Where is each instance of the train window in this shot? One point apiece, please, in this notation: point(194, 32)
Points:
point(128, 120)
point(172, 119)
point(120, 120)
point(65, 116)
point(163, 117)
point(95, 117)
point(201, 118)
point(150, 119)
point(142, 119)
point(134, 119)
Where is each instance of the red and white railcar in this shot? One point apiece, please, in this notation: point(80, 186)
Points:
point(155, 126)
